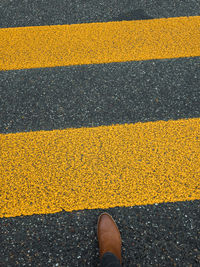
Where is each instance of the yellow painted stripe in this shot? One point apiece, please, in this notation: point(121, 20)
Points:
point(107, 166)
point(62, 45)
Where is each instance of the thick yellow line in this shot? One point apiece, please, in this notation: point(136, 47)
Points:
point(62, 45)
point(107, 166)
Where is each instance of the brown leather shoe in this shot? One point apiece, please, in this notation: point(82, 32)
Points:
point(109, 236)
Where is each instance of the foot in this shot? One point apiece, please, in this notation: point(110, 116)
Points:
point(109, 236)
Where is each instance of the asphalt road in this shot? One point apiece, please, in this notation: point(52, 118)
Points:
point(165, 234)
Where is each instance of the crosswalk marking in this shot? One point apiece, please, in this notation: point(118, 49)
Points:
point(100, 167)
point(95, 43)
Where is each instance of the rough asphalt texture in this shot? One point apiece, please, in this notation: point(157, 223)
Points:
point(43, 99)
point(153, 235)
point(21, 13)
point(103, 94)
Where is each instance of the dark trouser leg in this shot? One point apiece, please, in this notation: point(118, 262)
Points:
point(110, 260)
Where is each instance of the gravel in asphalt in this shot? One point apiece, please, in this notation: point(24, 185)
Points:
point(153, 235)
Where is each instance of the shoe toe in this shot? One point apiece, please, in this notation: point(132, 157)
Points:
point(108, 235)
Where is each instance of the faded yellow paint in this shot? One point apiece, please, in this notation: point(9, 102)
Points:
point(102, 167)
point(95, 43)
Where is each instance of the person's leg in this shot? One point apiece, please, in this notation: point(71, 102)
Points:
point(109, 241)
point(110, 260)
